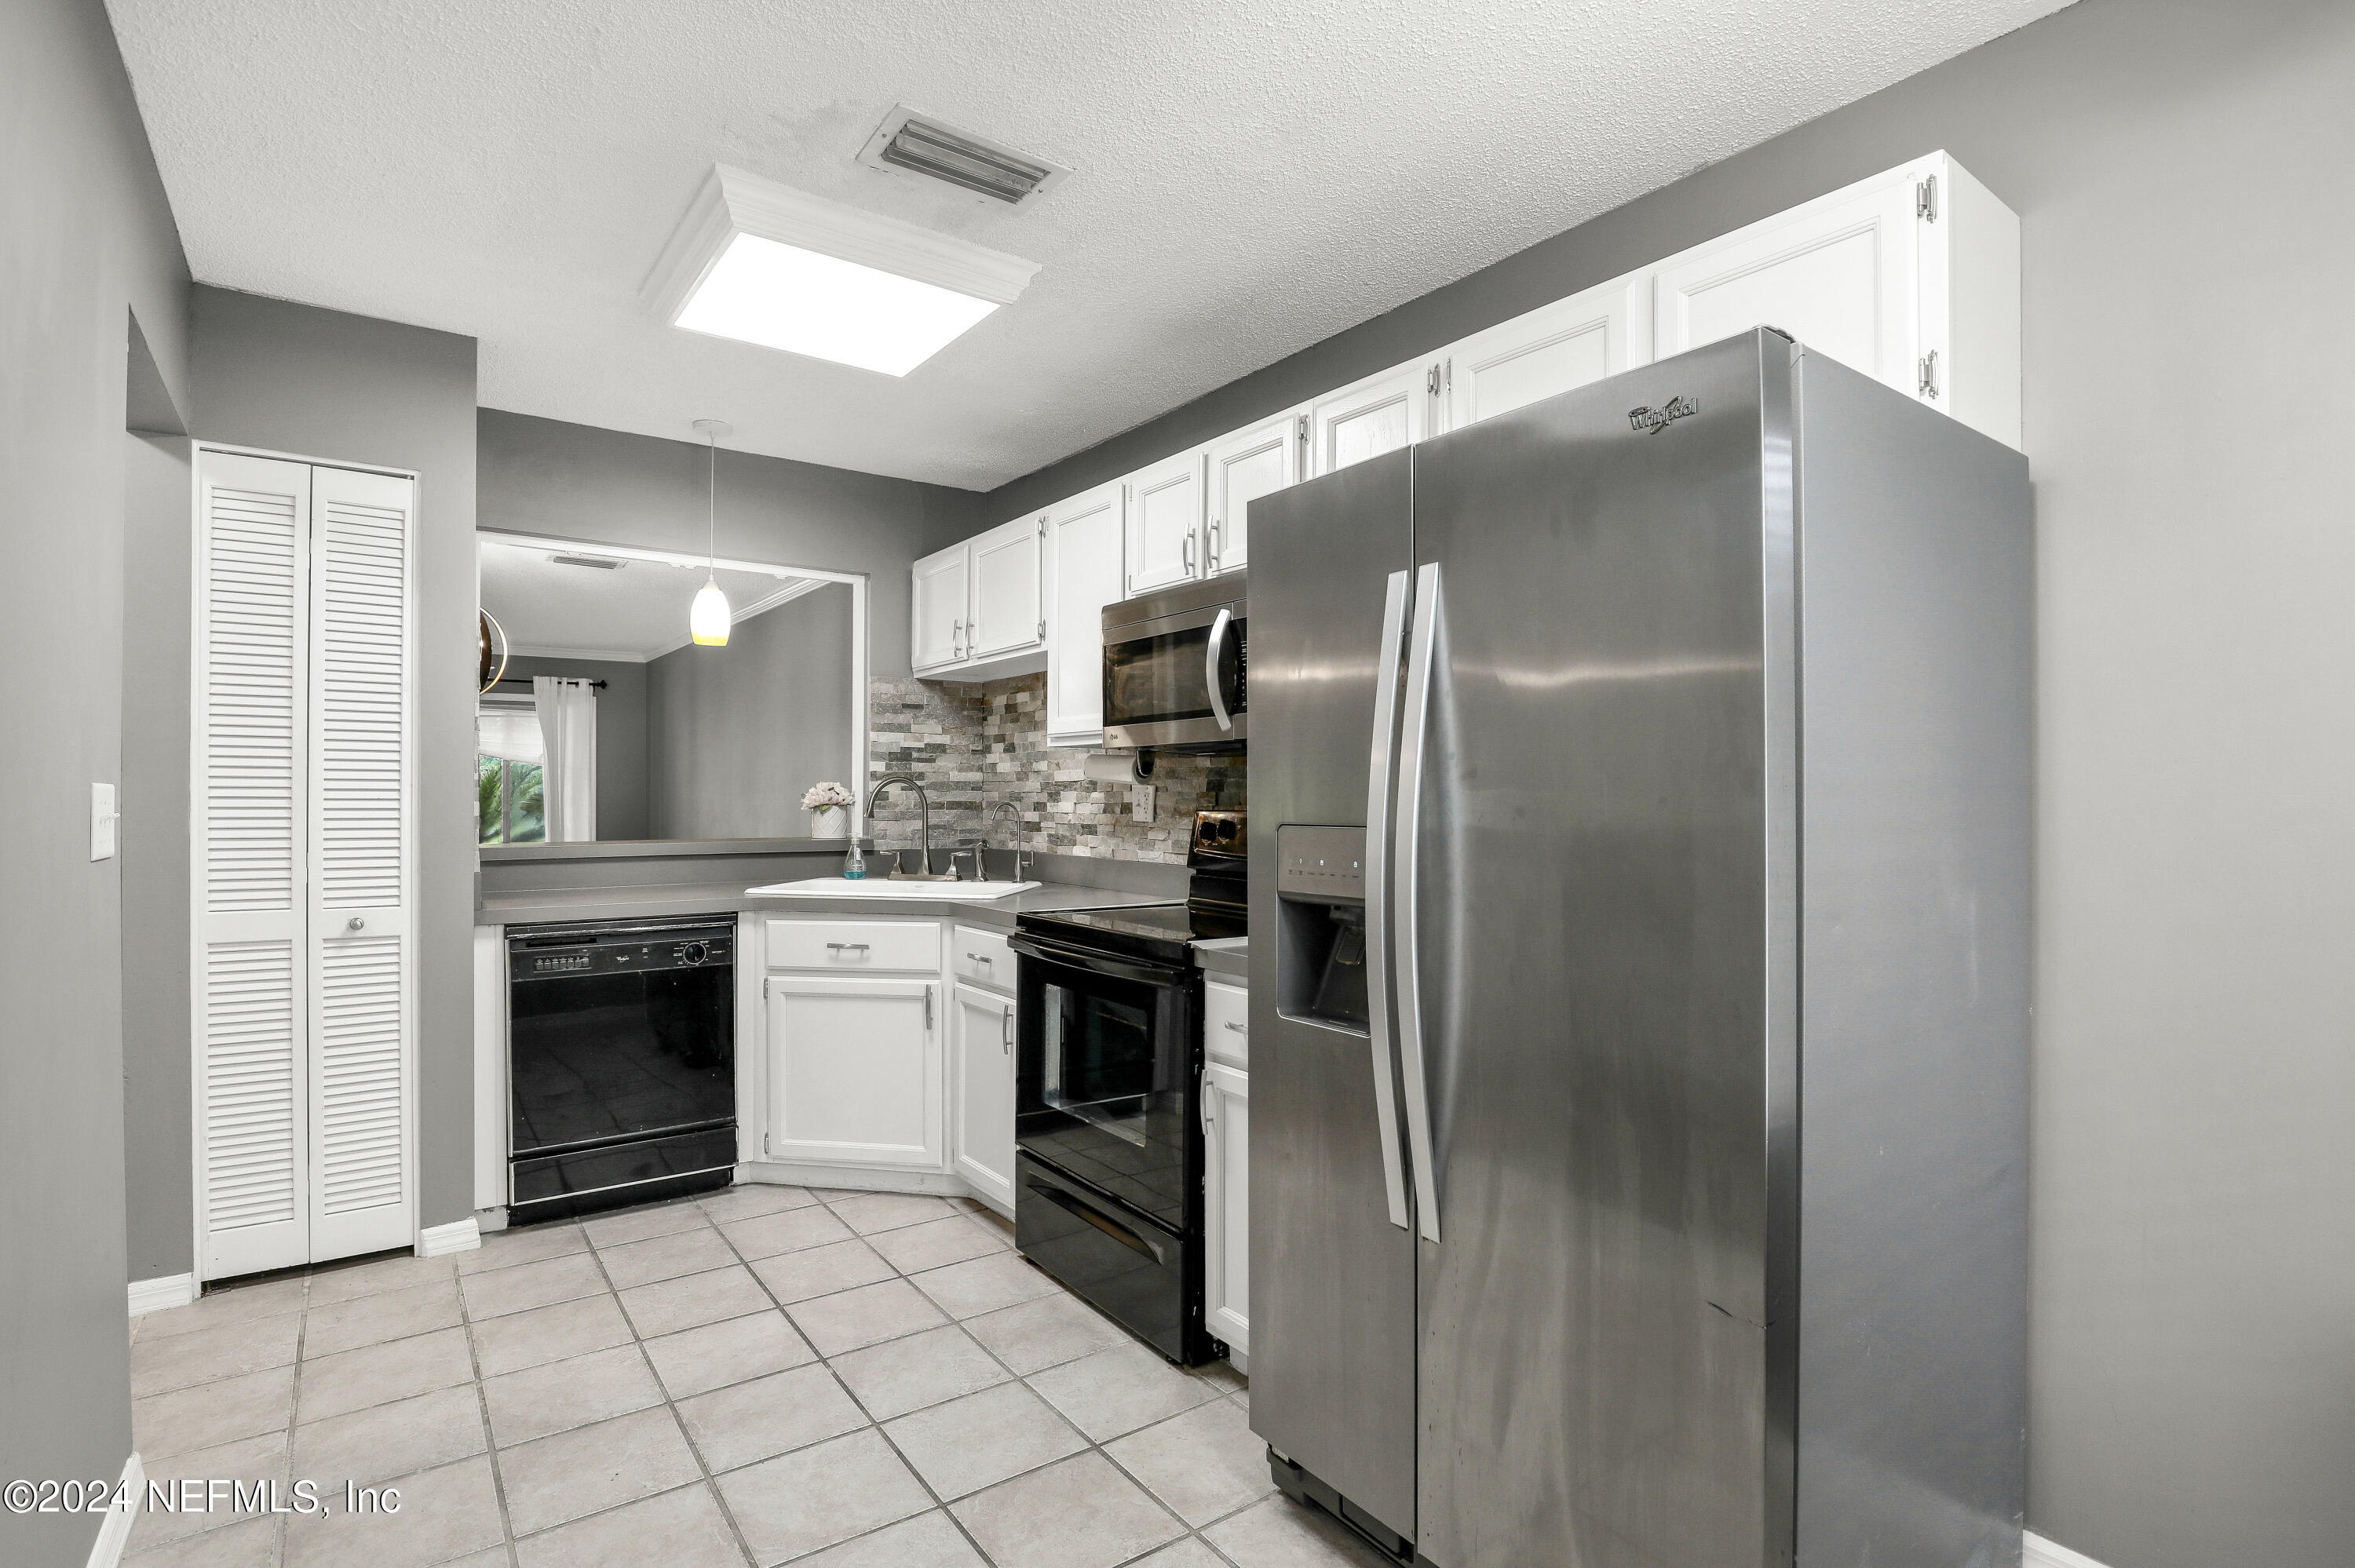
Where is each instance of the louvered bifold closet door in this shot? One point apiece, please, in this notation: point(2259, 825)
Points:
point(363, 1007)
point(250, 810)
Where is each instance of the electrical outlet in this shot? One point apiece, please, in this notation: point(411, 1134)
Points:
point(101, 822)
point(1140, 802)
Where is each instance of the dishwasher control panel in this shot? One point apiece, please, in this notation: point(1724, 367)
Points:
point(555, 952)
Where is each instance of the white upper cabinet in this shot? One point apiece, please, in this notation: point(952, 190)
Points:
point(980, 607)
point(1912, 277)
point(1009, 605)
point(1242, 467)
point(1593, 333)
point(1379, 414)
point(938, 614)
point(1084, 573)
point(1164, 523)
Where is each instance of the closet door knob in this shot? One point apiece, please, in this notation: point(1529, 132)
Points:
point(356, 924)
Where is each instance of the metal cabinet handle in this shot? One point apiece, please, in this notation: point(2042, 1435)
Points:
point(1408, 832)
point(956, 639)
point(1005, 1032)
point(356, 924)
point(1211, 550)
point(977, 958)
point(845, 946)
point(1209, 1116)
point(1186, 552)
point(1211, 651)
point(1237, 1027)
point(1378, 848)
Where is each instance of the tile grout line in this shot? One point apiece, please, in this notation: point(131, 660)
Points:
point(678, 1423)
point(483, 1407)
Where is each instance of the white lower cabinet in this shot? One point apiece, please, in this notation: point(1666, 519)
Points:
point(855, 1071)
point(1226, 1240)
point(983, 1094)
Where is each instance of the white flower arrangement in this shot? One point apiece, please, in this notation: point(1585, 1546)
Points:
point(820, 797)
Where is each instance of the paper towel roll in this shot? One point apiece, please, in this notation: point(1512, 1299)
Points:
point(1112, 767)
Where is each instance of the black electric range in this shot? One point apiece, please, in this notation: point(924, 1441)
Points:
point(1107, 1126)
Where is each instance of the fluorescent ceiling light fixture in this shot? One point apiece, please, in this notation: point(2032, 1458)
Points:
point(764, 263)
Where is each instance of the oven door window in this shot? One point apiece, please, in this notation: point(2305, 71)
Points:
point(1098, 1064)
point(1163, 678)
point(1104, 1087)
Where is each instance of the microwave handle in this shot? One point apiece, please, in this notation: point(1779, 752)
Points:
point(1210, 652)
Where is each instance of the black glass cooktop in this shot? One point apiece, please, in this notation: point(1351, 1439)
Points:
point(1162, 931)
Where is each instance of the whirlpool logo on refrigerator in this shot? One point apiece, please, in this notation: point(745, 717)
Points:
point(1651, 421)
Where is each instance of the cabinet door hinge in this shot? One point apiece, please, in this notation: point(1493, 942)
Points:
point(1926, 200)
point(1430, 381)
point(764, 988)
point(1929, 378)
point(1042, 629)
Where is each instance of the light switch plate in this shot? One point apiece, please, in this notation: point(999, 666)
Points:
point(1140, 802)
point(101, 822)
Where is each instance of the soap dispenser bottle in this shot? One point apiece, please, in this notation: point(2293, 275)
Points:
point(854, 863)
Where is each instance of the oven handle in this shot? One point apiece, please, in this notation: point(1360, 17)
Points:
point(1095, 963)
point(1211, 651)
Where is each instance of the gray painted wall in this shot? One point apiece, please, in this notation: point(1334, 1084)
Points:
point(577, 481)
point(2175, 168)
point(737, 732)
point(621, 737)
point(89, 242)
point(157, 606)
point(326, 385)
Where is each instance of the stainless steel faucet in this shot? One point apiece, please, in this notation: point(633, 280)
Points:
point(923, 824)
point(995, 806)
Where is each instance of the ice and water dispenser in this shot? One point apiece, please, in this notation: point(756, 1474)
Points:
point(1320, 956)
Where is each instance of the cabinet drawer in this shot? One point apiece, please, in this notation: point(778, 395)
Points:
point(982, 957)
point(856, 945)
point(1226, 1022)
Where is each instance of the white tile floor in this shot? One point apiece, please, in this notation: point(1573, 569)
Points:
point(766, 1376)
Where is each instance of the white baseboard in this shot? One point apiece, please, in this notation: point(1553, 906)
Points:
point(458, 1235)
point(107, 1550)
point(163, 1291)
point(851, 1178)
point(2035, 1551)
point(492, 1220)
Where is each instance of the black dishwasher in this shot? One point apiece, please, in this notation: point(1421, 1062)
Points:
point(620, 1063)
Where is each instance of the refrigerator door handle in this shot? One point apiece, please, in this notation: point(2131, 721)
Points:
point(1406, 832)
point(1378, 948)
point(1211, 649)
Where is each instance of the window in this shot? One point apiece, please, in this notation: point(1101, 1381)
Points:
point(510, 803)
point(510, 791)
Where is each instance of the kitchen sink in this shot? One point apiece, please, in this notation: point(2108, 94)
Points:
point(884, 887)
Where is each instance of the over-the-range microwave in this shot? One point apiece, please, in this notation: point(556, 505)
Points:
point(1174, 663)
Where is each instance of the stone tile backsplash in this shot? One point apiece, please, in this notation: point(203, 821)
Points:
point(973, 745)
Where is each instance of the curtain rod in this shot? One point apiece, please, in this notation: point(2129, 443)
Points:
point(526, 680)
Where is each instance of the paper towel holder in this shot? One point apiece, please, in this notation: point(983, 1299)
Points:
point(1120, 766)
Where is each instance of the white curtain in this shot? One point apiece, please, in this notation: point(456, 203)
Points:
point(568, 725)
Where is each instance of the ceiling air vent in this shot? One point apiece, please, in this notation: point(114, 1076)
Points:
point(603, 563)
point(916, 144)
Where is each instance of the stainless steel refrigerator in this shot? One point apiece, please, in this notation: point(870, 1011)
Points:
point(1640, 805)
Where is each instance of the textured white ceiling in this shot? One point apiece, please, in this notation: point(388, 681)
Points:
point(633, 612)
point(1250, 178)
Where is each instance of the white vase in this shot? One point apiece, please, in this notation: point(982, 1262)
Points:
point(830, 822)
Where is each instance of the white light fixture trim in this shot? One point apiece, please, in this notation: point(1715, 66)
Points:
point(764, 263)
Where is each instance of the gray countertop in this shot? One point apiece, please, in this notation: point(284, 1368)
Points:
point(1223, 956)
point(715, 897)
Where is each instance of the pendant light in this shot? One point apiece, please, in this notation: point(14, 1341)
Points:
point(706, 620)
